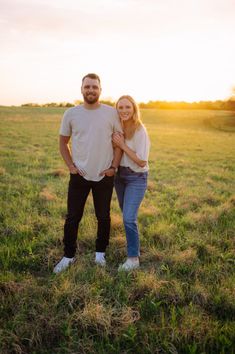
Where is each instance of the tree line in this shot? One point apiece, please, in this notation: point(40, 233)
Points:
point(228, 105)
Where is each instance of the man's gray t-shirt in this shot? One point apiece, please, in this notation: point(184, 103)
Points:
point(91, 132)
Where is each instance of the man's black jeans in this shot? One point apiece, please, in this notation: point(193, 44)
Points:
point(78, 191)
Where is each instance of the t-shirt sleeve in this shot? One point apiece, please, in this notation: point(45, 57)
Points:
point(65, 127)
point(117, 125)
point(142, 144)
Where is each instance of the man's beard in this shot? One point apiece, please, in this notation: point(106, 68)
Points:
point(91, 100)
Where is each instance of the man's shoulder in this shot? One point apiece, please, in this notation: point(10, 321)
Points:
point(107, 108)
point(109, 111)
point(72, 110)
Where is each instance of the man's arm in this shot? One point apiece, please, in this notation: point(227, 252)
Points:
point(65, 153)
point(117, 156)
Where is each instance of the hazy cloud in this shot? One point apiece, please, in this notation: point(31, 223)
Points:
point(91, 18)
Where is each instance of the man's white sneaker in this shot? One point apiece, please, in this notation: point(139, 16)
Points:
point(100, 259)
point(129, 265)
point(63, 264)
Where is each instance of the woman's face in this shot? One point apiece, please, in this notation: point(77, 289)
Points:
point(125, 109)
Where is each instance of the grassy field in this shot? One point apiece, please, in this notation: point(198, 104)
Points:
point(182, 298)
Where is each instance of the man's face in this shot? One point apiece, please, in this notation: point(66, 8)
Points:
point(91, 90)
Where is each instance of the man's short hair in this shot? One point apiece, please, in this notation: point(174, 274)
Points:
point(91, 76)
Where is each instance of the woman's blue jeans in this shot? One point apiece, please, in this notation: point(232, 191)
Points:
point(130, 187)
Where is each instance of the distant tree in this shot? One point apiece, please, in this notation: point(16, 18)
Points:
point(30, 105)
point(232, 98)
point(216, 105)
point(230, 103)
point(52, 104)
point(109, 103)
point(77, 102)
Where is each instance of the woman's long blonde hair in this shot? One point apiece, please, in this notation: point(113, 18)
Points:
point(137, 123)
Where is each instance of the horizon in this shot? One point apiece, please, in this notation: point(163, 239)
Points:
point(166, 50)
point(109, 99)
point(112, 100)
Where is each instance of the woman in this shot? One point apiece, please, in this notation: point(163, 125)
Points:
point(131, 178)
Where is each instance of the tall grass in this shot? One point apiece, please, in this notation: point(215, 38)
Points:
point(182, 298)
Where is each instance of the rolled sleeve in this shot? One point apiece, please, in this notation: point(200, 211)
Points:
point(65, 127)
point(117, 125)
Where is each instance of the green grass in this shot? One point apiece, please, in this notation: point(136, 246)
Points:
point(182, 298)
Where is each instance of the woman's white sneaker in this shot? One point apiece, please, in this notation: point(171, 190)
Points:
point(129, 265)
point(63, 264)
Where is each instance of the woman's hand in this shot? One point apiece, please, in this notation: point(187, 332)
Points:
point(118, 139)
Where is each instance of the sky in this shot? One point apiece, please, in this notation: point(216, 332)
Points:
point(180, 50)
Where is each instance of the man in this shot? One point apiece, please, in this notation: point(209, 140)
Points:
point(92, 165)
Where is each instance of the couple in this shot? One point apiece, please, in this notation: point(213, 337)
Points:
point(107, 148)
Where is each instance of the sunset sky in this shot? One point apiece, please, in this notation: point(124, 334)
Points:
point(151, 49)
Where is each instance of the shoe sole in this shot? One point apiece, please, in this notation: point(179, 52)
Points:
point(127, 270)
